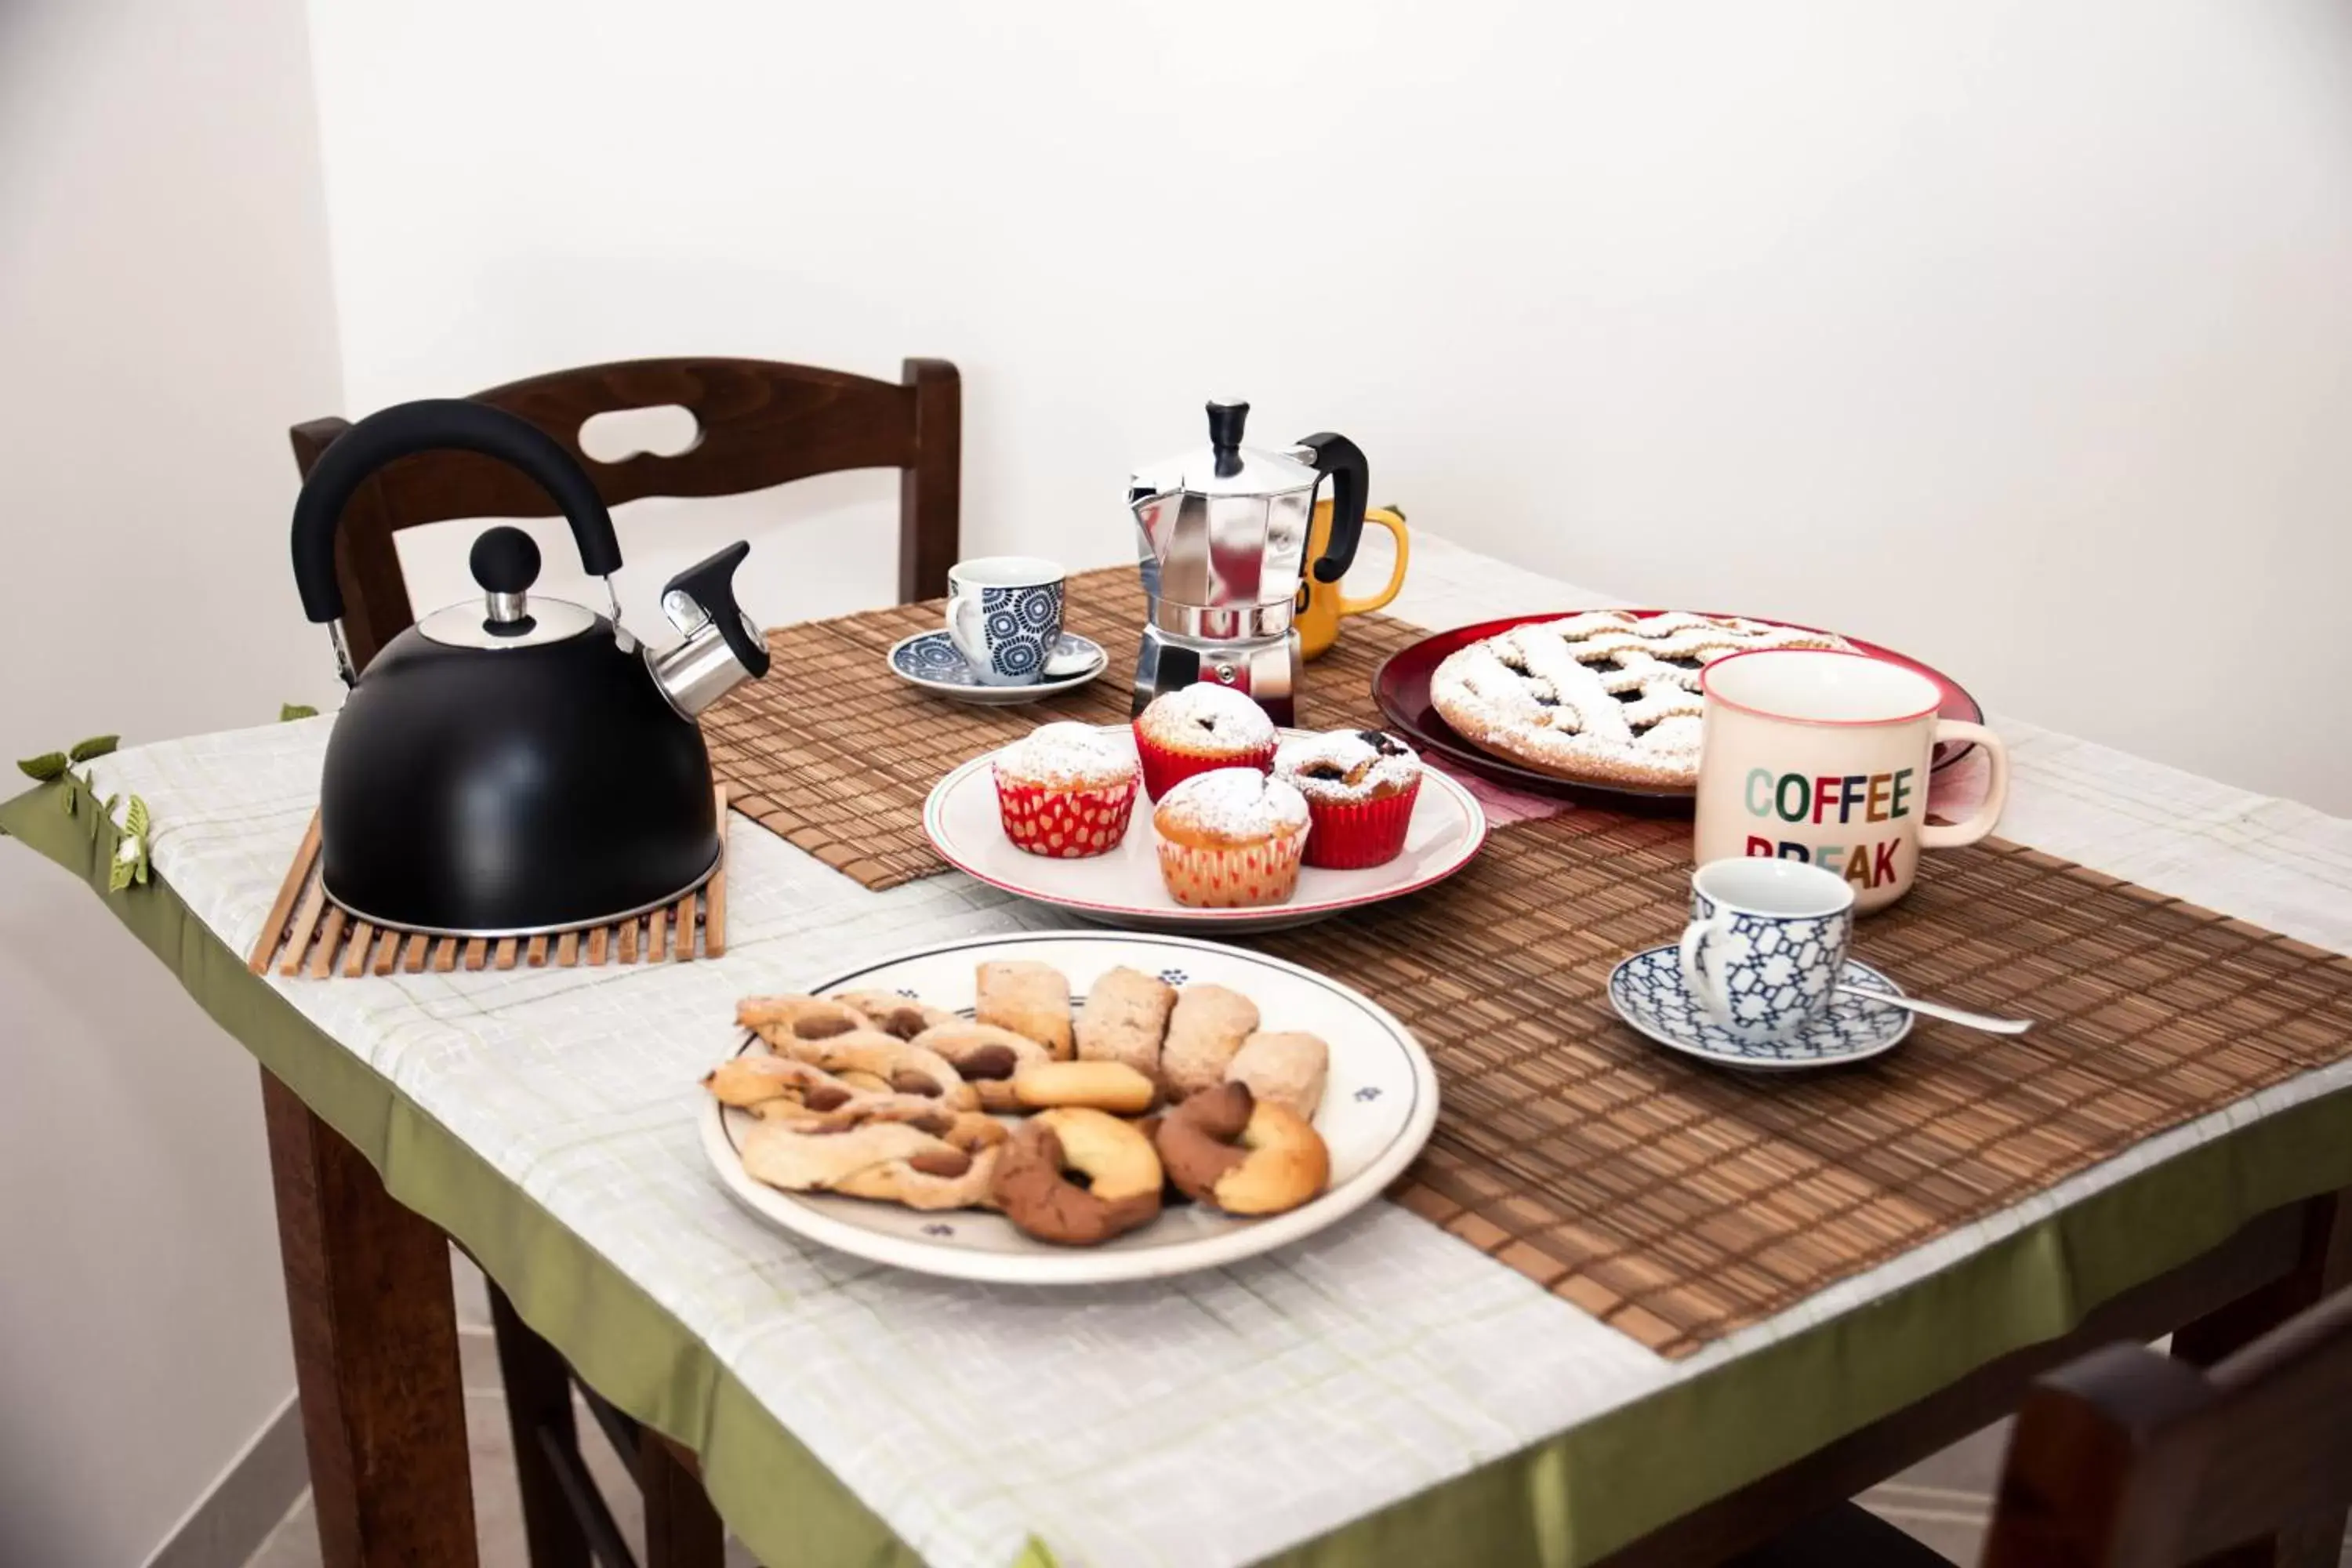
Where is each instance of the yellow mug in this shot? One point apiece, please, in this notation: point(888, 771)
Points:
point(1320, 605)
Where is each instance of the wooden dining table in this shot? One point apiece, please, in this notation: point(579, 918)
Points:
point(1382, 1393)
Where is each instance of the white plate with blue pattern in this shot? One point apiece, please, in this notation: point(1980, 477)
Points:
point(1379, 1103)
point(932, 661)
point(1649, 993)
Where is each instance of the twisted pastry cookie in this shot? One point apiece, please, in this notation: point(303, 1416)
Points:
point(890, 1161)
point(904, 1016)
point(902, 1066)
point(986, 1055)
point(748, 1080)
point(780, 1019)
point(802, 1095)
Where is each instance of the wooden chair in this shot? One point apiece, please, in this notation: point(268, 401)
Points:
point(763, 424)
point(2130, 1458)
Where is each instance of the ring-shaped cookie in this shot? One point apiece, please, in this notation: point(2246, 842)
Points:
point(1122, 1171)
point(1245, 1156)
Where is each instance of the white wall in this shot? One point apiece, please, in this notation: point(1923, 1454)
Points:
point(166, 314)
point(2012, 334)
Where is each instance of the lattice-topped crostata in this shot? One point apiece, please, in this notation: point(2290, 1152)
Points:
point(1603, 696)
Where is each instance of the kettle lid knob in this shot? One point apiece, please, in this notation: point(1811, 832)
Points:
point(504, 560)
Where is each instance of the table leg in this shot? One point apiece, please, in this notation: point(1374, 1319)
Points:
point(539, 1400)
point(2324, 1267)
point(682, 1530)
point(376, 1353)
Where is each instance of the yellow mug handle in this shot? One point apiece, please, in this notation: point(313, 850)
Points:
point(1394, 520)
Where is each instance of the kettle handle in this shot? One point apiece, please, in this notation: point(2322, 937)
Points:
point(437, 423)
point(1351, 484)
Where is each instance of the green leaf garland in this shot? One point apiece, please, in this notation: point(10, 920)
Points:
point(130, 862)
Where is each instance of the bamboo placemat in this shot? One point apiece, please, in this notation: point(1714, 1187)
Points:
point(835, 753)
point(1677, 1202)
point(305, 933)
point(1674, 1200)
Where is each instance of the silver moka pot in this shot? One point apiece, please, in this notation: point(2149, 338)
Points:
point(1222, 534)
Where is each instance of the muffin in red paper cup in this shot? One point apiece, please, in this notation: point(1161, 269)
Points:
point(1231, 838)
point(1067, 791)
point(1197, 730)
point(1359, 786)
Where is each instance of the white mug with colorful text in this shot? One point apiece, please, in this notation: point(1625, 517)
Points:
point(1817, 755)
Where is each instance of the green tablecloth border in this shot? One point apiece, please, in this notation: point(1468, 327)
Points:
point(1559, 1503)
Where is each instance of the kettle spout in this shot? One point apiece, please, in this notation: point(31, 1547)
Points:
point(722, 648)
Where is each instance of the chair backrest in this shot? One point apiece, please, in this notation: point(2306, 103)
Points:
point(762, 423)
point(2129, 1458)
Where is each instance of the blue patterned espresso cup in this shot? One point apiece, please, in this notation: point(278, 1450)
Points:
point(1766, 943)
point(1004, 616)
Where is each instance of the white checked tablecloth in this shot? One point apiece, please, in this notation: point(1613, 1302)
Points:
point(1212, 1419)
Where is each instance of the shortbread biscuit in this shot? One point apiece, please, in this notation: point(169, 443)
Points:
point(1113, 1087)
point(1125, 1020)
point(1286, 1067)
point(1204, 1032)
point(1028, 998)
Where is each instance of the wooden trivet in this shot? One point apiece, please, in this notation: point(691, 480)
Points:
point(305, 934)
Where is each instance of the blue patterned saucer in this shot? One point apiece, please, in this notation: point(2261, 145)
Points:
point(932, 661)
point(1649, 993)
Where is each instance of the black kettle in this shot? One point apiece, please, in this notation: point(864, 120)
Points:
point(516, 766)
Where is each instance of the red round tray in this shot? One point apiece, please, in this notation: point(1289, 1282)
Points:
point(1400, 686)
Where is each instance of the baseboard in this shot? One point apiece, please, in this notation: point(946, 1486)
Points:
point(227, 1525)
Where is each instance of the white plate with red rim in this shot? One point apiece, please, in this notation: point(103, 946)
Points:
point(1123, 887)
point(1379, 1106)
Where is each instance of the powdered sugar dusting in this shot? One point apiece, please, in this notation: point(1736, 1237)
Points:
point(1232, 805)
point(1346, 765)
point(1208, 712)
point(1067, 755)
point(1603, 695)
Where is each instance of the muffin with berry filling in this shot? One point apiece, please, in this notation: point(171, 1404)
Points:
point(1197, 730)
point(1359, 786)
point(1065, 791)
